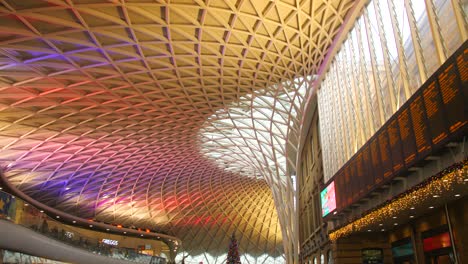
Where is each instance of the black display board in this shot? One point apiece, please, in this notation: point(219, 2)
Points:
point(348, 190)
point(394, 141)
point(375, 156)
point(436, 114)
point(368, 174)
point(407, 137)
point(385, 154)
point(339, 184)
point(360, 175)
point(420, 126)
point(354, 180)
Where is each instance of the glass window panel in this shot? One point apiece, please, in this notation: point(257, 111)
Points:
point(349, 96)
point(448, 24)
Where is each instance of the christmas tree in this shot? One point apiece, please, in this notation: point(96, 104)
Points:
point(233, 254)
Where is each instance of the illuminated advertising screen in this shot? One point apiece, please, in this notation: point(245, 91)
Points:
point(402, 250)
point(436, 242)
point(328, 199)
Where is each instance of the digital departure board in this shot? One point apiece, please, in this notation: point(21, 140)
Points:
point(462, 66)
point(359, 174)
point(419, 125)
point(452, 97)
point(354, 180)
point(407, 137)
point(368, 175)
point(375, 156)
point(349, 191)
point(339, 184)
point(385, 153)
point(394, 141)
point(434, 112)
point(435, 115)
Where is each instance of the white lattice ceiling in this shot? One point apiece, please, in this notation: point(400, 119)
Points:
point(126, 111)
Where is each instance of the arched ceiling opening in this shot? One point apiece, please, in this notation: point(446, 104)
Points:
point(169, 115)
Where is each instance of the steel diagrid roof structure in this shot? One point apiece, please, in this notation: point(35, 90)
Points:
point(178, 116)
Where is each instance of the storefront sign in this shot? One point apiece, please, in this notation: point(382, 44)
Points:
point(372, 256)
point(110, 242)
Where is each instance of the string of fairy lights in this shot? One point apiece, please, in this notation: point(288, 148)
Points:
point(444, 181)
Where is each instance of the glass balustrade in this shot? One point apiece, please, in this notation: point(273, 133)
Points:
point(21, 213)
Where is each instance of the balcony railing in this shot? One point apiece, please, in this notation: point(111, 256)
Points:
point(21, 213)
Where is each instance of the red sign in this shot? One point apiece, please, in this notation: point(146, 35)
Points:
point(436, 242)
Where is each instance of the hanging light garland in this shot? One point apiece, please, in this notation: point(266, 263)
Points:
point(435, 185)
